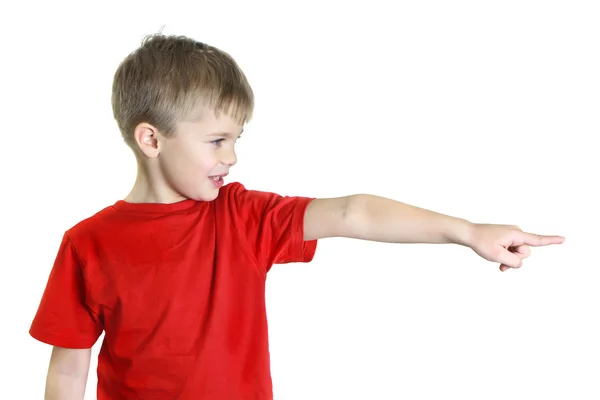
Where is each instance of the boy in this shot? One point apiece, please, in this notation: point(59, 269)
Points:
point(174, 274)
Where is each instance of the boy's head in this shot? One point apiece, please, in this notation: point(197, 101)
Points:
point(180, 105)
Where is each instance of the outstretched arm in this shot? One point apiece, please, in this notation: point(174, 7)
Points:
point(380, 219)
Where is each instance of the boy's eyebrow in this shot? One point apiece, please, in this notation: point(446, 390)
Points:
point(225, 134)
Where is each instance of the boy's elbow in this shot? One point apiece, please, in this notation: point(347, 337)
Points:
point(355, 224)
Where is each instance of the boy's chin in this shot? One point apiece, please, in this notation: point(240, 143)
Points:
point(207, 195)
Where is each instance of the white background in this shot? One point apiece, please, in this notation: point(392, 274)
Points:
point(484, 110)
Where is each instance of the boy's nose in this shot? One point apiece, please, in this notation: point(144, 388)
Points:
point(230, 158)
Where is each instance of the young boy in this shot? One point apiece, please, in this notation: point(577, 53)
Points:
point(174, 274)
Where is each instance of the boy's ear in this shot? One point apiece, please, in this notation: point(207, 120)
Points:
point(146, 137)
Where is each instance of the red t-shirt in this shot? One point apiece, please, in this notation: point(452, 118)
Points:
point(179, 291)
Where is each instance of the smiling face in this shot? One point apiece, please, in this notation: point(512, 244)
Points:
point(193, 162)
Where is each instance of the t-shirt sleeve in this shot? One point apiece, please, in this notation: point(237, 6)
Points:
point(273, 225)
point(63, 319)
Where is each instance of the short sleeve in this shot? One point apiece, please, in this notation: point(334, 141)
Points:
point(273, 225)
point(62, 318)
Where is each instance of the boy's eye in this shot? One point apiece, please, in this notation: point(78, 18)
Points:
point(219, 141)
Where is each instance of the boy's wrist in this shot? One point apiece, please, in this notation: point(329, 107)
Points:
point(461, 232)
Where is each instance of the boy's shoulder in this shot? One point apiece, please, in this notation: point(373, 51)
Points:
point(233, 201)
point(93, 223)
point(120, 212)
point(247, 217)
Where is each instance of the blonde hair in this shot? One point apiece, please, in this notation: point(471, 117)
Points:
point(169, 78)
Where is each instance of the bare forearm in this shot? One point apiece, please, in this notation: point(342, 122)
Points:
point(67, 374)
point(64, 387)
point(380, 219)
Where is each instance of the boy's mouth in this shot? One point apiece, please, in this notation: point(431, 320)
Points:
point(217, 180)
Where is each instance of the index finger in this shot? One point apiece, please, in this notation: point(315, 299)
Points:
point(542, 240)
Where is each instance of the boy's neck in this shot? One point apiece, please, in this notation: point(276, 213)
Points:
point(151, 187)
